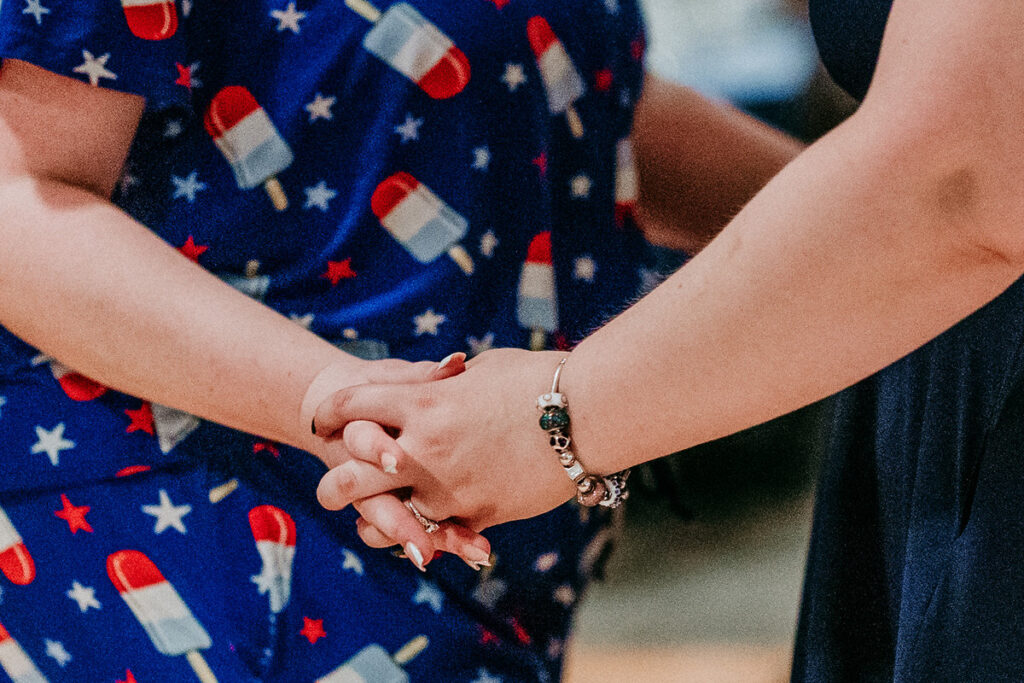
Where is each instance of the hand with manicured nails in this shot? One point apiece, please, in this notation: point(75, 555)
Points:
point(467, 451)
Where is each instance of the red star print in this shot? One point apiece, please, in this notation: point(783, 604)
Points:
point(500, 4)
point(603, 80)
point(488, 638)
point(313, 629)
point(142, 419)
point(191, 250)
point(268, 446)
point(132, 470)
point(128, 677)
point(562, 342)
point(637, 47)
point(184, 76)
point(74, 516)
point(521, 635)
point(541, 162)
point(339, 270)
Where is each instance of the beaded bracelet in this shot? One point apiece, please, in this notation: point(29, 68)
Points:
point(591, 489)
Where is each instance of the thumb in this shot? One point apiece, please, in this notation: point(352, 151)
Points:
point(402, 372)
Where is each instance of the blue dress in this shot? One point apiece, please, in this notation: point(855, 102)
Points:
point(404, 179)
point(914, 571)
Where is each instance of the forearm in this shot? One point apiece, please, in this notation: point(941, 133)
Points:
point(699, 162)
point(98, 291)
point(856, 254)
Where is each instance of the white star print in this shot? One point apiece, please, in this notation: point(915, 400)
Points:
point(612, 6)
point(320, 107)
point(490, 591)
point(173, 129)
point(513, 76)
point(85, 596)
point(34, 8)
point(481, 158)
point(545, 562)
point(649, 279)
point(580, 186)
point(95, 67)
point(585, 269)
point(188, 186)
point(186, 8)
point(484, 676)
point(52, 443)
point(488, 241)
point(428, 594)
point(565, 595)
point(3, 402)
point(410, 130)
point(428, 322)
point(350, 333)
point(302, 320)
point(555, 648)
point(56, 650)
point(167, 514)
point(352, 562)
point(478, 346)
point(288, 18)
point(319, 196)
point(194, 82)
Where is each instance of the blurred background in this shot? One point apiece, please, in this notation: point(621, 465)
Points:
point(705, 583)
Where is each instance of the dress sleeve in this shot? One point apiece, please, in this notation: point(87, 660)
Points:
point(135, 46)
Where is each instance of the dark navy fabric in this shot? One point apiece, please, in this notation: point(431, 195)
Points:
point(914, 570)
point(346, 163)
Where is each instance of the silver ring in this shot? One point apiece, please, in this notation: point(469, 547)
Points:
point(429, 525)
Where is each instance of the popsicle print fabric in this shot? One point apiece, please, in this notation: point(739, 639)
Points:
point(404, 179)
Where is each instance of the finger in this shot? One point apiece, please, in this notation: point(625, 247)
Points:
point(472, 548)
point(394, 521)
point(372, 536)
point(384, 404)
point(352, 481)
point(368, 442)
point(402, 372)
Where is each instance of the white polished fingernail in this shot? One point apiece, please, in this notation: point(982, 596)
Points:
point(415, 555)
point(446, 362)
point(389, 463)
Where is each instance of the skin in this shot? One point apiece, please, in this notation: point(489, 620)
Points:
point(88, 285)
point(699, 163)
point(885, 233)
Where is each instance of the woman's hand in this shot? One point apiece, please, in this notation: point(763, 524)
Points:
point(469, 448)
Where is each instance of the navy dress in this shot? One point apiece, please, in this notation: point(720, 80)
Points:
point(915, 569)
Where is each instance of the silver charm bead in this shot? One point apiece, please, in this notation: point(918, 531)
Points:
point(566, 458)
point(551, 399)
point(575, 471)
point(560, 442)
point(591, 490)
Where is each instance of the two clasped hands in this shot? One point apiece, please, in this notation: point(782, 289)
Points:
point(464, 449)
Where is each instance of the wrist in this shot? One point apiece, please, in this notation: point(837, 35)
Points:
point(344, 372)
point(593, 487)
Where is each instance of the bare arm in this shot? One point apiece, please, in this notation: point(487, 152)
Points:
point(90, 286)
point(887, 232)
point(699, 162)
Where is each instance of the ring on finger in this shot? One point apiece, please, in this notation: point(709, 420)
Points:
point(429, 525)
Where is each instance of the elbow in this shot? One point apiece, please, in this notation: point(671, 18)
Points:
point(952, 175)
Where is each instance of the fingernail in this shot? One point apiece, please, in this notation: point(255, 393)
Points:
point(448, 360)
point(415, 555)
point(472, 554)
point(312, 426)
point(389, 463)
